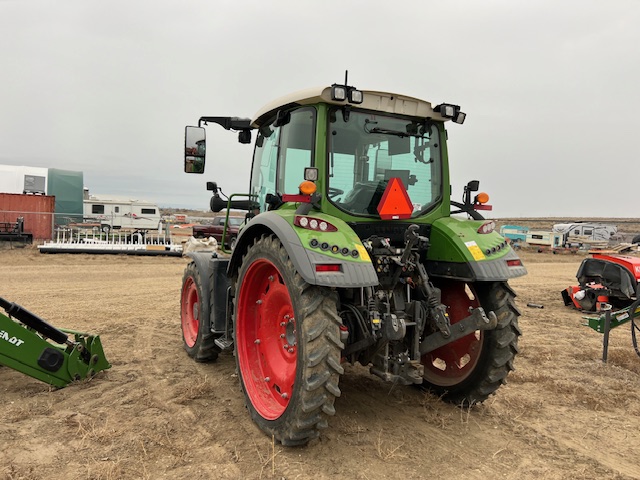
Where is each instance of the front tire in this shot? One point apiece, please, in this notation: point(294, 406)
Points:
point(470, 369)
point(287, 345)
point(197, 338)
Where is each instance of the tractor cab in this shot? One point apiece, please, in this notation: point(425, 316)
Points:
point(371, 156)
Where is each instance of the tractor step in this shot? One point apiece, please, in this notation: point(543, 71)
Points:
point(223, 342)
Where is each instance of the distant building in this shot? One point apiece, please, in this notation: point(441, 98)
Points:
point(65, 185)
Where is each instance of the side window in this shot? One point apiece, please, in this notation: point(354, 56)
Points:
point(296, 150)
point(98, 209)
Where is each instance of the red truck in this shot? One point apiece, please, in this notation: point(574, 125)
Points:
point(216, 228)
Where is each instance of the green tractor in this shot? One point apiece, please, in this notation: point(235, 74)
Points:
point(350, 253)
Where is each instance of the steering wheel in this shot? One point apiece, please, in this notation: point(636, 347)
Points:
point(335, 191)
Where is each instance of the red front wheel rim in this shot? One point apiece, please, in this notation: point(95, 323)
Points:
point(451, 364)
point(266, 339)
point(190, 314)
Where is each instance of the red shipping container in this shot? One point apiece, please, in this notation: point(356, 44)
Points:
point(37, 211)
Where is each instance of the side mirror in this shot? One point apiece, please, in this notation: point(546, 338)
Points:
point(195, 146)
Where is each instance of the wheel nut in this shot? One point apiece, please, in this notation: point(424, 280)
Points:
point(282, 335)
point(267, 379)
point(291, 350)
point(285, 395)
point(257, 341)
point(259, 302)
point(285, 346)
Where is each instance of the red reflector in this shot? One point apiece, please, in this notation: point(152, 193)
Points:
point(395, 202)
point(478, 206)
point(296, 198)
point(514, 263)
point(328, 267)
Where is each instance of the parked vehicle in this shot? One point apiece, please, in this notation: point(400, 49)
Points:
point(216, 229)
point(515, 233)
point(117, 213)
point(545, 239)
point(350, 255)
point(597, 232)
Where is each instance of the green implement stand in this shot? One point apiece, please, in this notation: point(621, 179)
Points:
point(610, 319)
point(30, 345)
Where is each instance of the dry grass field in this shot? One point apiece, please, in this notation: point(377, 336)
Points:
point(157, 414)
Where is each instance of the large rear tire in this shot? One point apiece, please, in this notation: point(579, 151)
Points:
point(197, 338)
point(473, 367)
point(287, 345)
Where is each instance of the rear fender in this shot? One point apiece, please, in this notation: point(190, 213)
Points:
point(459, 252)
point(353, 273)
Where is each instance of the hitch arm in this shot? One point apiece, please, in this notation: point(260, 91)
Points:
point(478, 320)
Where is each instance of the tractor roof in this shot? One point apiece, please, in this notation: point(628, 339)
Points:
point(378, 101)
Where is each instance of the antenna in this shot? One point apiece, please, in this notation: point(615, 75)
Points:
point(346, 74)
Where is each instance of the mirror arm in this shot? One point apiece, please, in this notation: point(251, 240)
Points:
point(228, 123)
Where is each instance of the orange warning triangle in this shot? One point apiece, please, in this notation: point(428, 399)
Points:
point(395, 202)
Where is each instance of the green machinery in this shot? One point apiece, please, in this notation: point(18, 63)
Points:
point(610, 319)
point(30, 345)
point(353, 252)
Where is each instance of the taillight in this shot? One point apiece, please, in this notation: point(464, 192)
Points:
point(514, 263)
point(328, 267)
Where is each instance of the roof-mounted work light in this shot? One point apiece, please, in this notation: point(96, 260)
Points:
point(340, 93)
point(453, 112)
point(355, 96)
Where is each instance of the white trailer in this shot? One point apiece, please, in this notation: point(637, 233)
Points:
point(598, 232)
point(545, 239)
point(121, 213)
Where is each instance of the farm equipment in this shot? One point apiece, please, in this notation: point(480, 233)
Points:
point(604, 279)
point(351, 254)
point(15, 231)
point(607, 282)
point(30, 345)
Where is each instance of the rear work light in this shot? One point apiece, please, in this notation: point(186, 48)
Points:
point(312, 223)
point(487, 227)
point(453, 112)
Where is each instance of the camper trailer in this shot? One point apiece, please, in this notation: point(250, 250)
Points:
point(597, 232)
point(552, 240)
point(515, 233)
point(120, 213)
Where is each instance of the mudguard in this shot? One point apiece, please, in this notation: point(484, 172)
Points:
point(214, 287)
point(354, 272)
point(459, 252)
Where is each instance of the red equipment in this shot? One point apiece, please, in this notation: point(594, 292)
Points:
point(602, 279)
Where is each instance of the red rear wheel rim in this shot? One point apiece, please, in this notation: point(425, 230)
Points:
point(453, 363)
point(266, 339)
point(190, 314)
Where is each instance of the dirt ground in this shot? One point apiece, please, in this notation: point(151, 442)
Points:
point(157, 414)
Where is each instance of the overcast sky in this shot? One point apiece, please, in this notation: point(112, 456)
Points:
point(550, 88)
